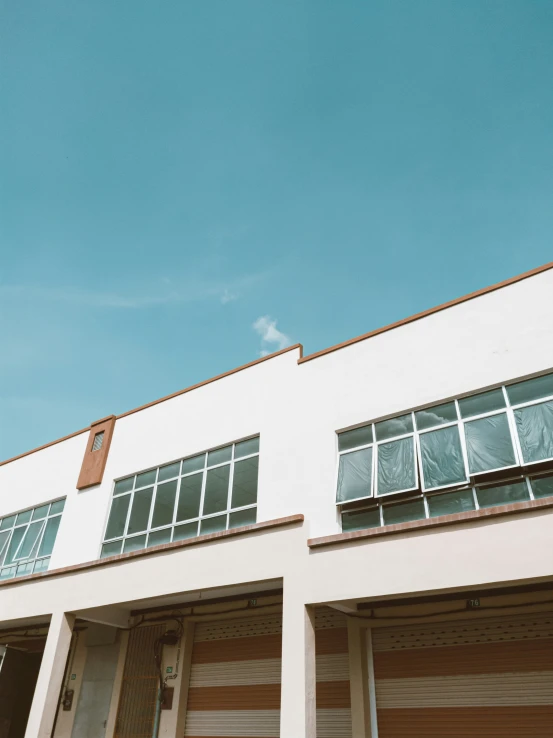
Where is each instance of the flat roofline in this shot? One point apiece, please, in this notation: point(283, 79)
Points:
point(302, 359)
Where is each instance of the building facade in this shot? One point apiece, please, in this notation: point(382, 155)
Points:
point(353, 543)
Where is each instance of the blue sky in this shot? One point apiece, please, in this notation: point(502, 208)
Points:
point(173, 172)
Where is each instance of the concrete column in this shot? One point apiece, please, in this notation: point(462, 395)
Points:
point(359, 680)
point(298, 716)
point(50, 676)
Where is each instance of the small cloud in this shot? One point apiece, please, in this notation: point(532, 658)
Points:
point(228, 296)
point(271, 338)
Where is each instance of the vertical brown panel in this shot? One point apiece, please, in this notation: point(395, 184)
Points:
point(94, 461)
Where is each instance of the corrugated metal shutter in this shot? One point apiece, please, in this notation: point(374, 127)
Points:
point(333, 688)
point(235, 679)
point(478, 678)
point(135, 716)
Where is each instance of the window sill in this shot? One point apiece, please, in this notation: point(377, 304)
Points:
point(425, 523)
point(164, 547)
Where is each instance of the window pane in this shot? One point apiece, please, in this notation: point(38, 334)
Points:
point(437, 415)
point(134, 544)
point(244, 517)
point(489, 444)
point(123, 485)
point(169, 471)
point(531, 389)
point(442, 459)
point(245, 448)
point(118, 516)
point(394, 427)
point(40, 512)
point(7, 522)
point(41, 565)
point(23, 569)
point(14, 545)
point(535, 431)
point(194, 464)
point(189, 497)
point(244, 484)
point(213, 525)
point(57, 507)
point(355, 475)
point(216, 490)
point(24, 517)
point(149, 477)
point(7, 573)
point(30, 539)
point(158, 537)
point(190, 530)
point(542, 487)
point(165, 504)
point(140, 511)
point(49, 537)
point(485, 402)
point(413, 510)
point(111, 549)
point(361, 519)
point(4, 535)
point(452, 502)
point(396, 466)
point(219, 455)
point(503, 495)
point(357, 437)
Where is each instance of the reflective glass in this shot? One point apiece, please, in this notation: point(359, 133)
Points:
point(40, 512)
point(169, 471)
point(542, 487)
point(396, 466)
point(49, 536)
point(189, 530)
point(194, 464)
point(442, 458)
point(159, 536)
point(146, 478)
point(244, 483)
point(485, 402)
point(123, 485)
point(412, 510)
point(41, 565)
point(219, 455)
point(4, 535)
point(356, 437)
point(452, 502)
point(216, 490)
point(360, 519)
point(394, 427)
point(164, 505)
point(30, 539)
point(7, 522)
point(118, 516)
point(134, 544)
point(355, 475)
point(189, 497)
point(535, 431)
point(437, 415)
point(111, 549)
point(531, 389)
point(13, 545)
point(245, 448)
point(242, 517)
point(489, 444)
point(24, 517)
point(502, 495)
point(57, 507)
point(140, 512)
point(213, 525)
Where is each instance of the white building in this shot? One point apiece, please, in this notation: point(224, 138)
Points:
point(353, 543)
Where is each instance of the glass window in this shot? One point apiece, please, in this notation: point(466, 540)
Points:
point(485, 402)
point(181, 492)
point(450, 503)
point(354, 438)
point(541, 487)
point(7, 522)
point(49, 536)
point(244, 483)
point(502, 494)
point(355, 475)
point(437, 415)
point(396, 466)
point(360, 519)
point(535, 431)
point(216, 490)
point(412, 510)
point(442, 458)
point(40, 512)
point(140, 512)
point(213, 525)
point(531, 389)
point(246, 448)
point(4, 538)
point(394, 427)
point(118, 516)
point(41, 565)
point(57, 507)
point(23, 517)
point(111, 549)
point(489, 444)
point(31, 540)
point(17, 537)
point(164, 506)
point(242, 517)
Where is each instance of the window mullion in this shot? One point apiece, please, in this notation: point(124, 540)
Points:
point(202, 494)
point(475, 498)
point(463, 441)
point(229, 493)
point(131, 504)
point(529, 485)
point(513, 429)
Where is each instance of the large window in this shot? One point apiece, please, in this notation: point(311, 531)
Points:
point(27, 539)
point(206, 493)
point(448, 446)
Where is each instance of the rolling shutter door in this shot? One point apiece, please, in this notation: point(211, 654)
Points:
point(333, 689)
point(475, 678)
point(235, 679)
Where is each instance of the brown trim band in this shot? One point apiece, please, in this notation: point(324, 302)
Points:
point(425, 523)
point(164, 547)
point(430, 311)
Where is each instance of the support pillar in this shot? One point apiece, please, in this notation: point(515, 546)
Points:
point(298, 707)
point(50, 676)
point(359, 680)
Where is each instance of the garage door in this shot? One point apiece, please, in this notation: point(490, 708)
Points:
point(482, 678)
point(333, 690)
point(235, 679)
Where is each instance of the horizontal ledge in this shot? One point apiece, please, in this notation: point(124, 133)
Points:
point(162, 548)
point(424, 523)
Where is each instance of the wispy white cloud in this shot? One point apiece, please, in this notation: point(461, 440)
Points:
point(271, 338)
